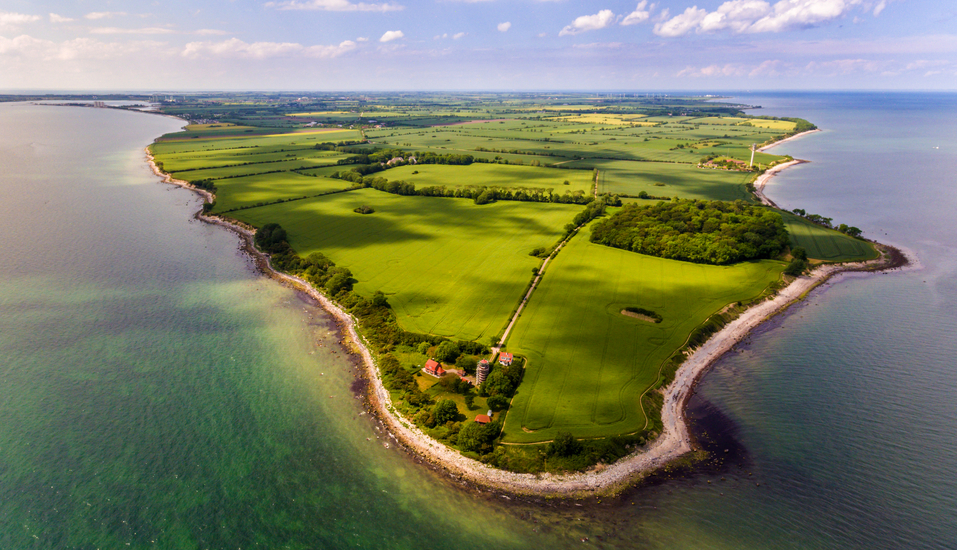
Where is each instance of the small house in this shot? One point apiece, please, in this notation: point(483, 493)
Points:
point(505, 358)
point(483, 419)
point(434, 368)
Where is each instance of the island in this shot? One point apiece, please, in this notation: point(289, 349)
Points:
point(532, 282)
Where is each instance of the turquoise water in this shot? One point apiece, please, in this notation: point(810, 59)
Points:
point(156, 392)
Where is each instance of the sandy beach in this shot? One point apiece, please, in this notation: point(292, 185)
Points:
point(674, 440)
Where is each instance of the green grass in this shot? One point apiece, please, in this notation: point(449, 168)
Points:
point(588, 364)
point(826, 244)
point(492, 175)
point(448, 266)
point(251, 190)
point(680, 180)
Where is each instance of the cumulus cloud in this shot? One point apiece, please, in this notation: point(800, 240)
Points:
point(756, 16)
point(104, 14)
point(210, 32)
point(503, 27)
point(54, 18)
point(640, 15)
point(10, 19)
point(236, 48)
point(333, 5)
point(458, 35)
point(389, 36)
point(27, 47)
point(584, 23)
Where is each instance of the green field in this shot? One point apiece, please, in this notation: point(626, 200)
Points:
point(493, 175)
point(448, 266)
point(826, 244)
point(588, 364)
point(675, 180)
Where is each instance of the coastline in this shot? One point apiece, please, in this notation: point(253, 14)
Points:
point(674, 441)
point(787, 139)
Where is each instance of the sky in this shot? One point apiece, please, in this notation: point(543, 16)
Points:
point(494, 45)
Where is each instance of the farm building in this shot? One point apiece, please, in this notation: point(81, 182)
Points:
point(434, 368)
point(483, 419)
point(505, 358)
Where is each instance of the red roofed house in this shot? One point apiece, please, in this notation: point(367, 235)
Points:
point(483, 419)
point(434, 368)
point(505, 358)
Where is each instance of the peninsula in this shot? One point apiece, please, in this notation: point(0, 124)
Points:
point(533, 282)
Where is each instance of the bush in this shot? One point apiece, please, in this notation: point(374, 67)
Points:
point(445, 411)
point(447, 352)
point(497, 402)
point(564, 445)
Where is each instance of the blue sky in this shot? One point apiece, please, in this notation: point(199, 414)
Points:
point(478, 45)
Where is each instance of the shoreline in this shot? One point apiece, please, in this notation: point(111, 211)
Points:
point(675, 439)
point(787, 139)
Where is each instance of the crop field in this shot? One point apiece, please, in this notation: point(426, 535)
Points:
point(175, 144)
point(588, 364)
point(661, 179)
point(493, 175)
point(826, 244)
point(448, 266)
point(248, 191)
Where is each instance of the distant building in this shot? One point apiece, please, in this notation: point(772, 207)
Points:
point(505, 358)
point(483, 419)
point(481, 372)
point(434, 368)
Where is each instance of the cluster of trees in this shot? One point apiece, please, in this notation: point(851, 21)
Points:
point(798, 262)
point(713, 232)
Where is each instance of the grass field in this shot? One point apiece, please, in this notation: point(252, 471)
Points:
point(251, 190)
point(493, 175)
point(448, 266)
point(826, 244)
point(680, 180)
point(589, 364)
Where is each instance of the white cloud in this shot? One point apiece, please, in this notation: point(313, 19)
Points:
point(80, 48)
point(389, 36)
point(756, 16)
point(333, 5)
point(458, 35)
point(879, 7)
point(584, 23)
point(503, 27)
point(236, 48)
point(681, 23)
point(9, 19)
point(640, 15)
point(210, 32)
point(104, 14)
point(362, 39)
point(117, 30)
point(54, 18)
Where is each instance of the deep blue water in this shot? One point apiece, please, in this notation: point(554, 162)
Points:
point(156, 392)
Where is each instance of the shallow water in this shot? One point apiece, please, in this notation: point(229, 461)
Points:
point(155, 391)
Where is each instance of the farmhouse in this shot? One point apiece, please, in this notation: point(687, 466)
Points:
point(434, 368)
point(483, 419)
point(505, 358)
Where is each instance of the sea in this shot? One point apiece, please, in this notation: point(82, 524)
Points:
point(156, 391)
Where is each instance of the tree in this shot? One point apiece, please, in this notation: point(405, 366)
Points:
point(497, 384)
point(564, 445)
point(445, 411)
point(447, 352)
point(497, 402)
point(477, 438)
point(466, 363)
point(799, 252)
point(796, 267)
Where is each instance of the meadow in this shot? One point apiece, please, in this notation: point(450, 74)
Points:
point(826, 244)
point(448, 266)
point(588, 365)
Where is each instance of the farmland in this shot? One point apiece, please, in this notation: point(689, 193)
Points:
point(588, 364)
point(448, 266)
point(356, 180)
